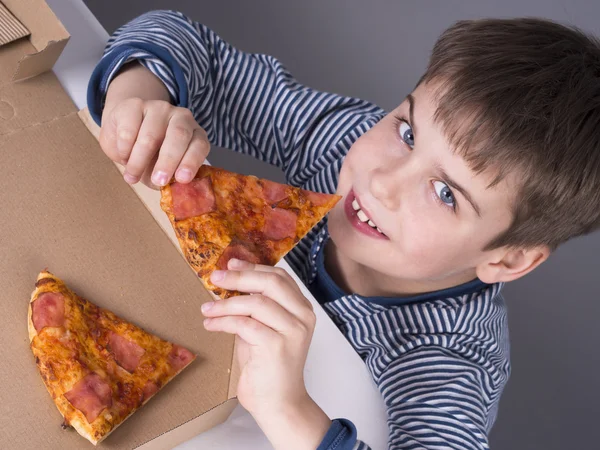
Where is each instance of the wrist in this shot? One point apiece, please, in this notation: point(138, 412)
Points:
point(134, 81)
point(296, 425)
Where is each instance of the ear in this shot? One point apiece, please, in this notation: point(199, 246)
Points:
point(508, 264)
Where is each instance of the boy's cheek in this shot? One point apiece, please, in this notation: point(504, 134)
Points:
point(344, 181)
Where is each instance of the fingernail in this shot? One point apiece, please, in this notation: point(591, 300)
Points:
point(206, 322)
point(207, 306)
point(217, 275)
point(130, 178)
point(159, 178)
point(184, 175)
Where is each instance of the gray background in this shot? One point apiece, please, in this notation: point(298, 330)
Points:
point(376, 50)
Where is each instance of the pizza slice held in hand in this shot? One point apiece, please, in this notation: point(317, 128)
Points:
point(98, 368)
point(221, 215)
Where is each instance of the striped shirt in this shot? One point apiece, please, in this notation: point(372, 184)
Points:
point(440, 359)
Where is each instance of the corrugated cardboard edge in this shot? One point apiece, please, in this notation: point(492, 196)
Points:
point(193, 427)
point(48, 36)
point(37, 63)
point(86, 118)
point(234, 376)
point(10, 27)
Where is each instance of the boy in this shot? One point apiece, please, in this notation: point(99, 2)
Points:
point(484, 169)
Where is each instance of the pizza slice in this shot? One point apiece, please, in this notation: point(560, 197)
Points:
point(98, 368)
point(221, 215)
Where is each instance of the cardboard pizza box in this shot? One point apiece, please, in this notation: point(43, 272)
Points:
point(65, 207)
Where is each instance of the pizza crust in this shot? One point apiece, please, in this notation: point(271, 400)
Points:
point(74, 418)
point(34, 295)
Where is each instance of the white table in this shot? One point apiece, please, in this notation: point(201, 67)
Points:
point(335, 375)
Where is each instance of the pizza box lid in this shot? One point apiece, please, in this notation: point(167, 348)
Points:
point(67, 209)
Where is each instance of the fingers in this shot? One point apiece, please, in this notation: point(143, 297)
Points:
point(149, 139)
point(238, 264)
point(258, 307)
point(128, 120)
point(147, 175)
point(180, 131)
point(154, 140)
point(119, 129)
point(250, 330)
point(270, 283)
point(194, 156)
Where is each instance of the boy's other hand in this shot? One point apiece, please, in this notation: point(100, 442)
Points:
point(273, 327)
point(154, 140)
point(275, 324)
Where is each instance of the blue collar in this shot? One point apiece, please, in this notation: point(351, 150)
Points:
point(326, 290)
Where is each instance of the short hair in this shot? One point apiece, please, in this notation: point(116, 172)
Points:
point(521, 97)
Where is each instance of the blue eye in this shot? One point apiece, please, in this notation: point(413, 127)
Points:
point(444, 193)
point(406, 133)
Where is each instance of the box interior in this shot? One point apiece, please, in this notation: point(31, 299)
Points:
point(67, 209)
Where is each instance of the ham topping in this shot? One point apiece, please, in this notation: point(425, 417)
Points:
point(91, 396)
point(193, 199)
point(180, 357)
point(48, 310)
point(127, 353)
point(280, 224)
point(237, 251)
point(273, 192)
point(317, 198)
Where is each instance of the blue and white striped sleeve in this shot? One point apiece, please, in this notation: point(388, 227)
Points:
point(246, 102)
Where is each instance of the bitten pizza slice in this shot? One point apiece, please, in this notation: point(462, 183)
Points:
point(221, 215)
point(98, 368)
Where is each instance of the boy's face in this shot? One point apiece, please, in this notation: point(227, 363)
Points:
point(434, 214)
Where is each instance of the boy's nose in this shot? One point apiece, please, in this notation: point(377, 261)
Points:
point(385, 186)
point(393, 180)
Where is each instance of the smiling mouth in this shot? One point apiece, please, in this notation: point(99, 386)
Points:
point(360, 220)
point(362, 216)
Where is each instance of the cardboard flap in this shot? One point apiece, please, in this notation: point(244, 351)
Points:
point(48, 37)
point(10, 27)
point(37, 63)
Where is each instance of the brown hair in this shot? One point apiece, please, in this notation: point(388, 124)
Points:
point(522, 97)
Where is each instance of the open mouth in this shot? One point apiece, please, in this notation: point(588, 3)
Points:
point(359, 218)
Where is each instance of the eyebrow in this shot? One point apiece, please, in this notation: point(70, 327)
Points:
point(460, 189)
point(411, 109)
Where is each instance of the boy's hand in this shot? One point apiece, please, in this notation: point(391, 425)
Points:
point(154, 140)
point(144, 132)
point(274, 326)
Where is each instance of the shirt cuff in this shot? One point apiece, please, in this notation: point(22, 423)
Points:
point(160, 62)
point(340, 436)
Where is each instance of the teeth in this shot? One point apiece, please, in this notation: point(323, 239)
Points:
point(363, 217)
